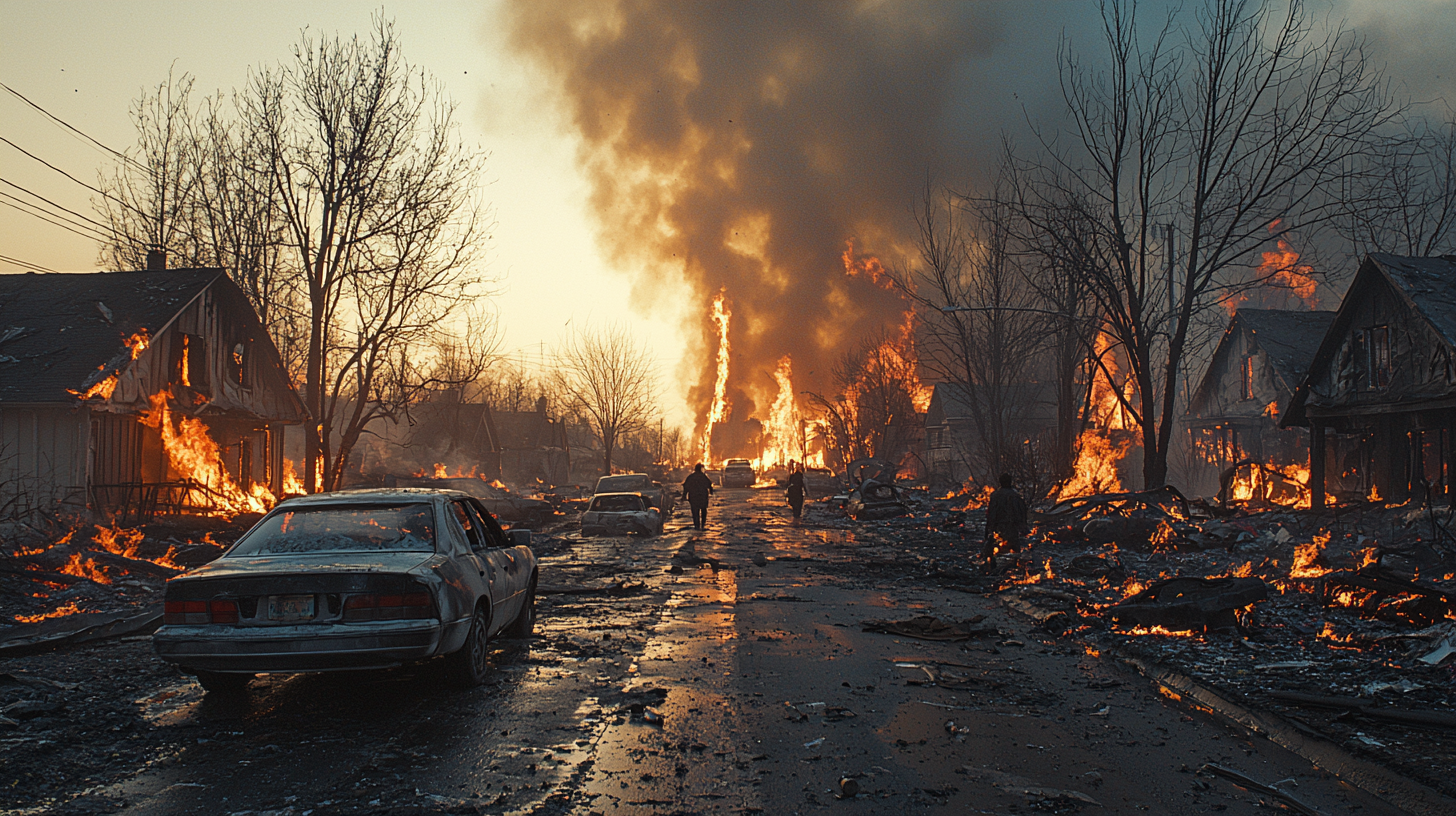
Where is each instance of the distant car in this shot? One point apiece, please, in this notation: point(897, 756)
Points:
point(621, 514)
point(656, 495)
point(358, 579)
point(738, 473)
point(873, 500)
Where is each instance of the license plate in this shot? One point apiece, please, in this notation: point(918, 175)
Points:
point(290, 607)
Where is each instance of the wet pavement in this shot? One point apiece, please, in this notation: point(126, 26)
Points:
point(717, 672)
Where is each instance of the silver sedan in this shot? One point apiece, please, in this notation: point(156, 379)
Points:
point(357, 579)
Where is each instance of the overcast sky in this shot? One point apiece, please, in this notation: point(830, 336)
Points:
point(85, 62)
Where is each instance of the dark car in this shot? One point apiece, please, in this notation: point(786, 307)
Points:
point(359, 579)
point(656, 495)
point(738, 473)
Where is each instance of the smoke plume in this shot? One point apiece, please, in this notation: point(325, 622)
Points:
point(741, 145)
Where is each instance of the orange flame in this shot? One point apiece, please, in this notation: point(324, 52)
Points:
point(82, 567)
point(61, 611)
point(441, 472)
point(118, 541)
point(784, 429)
point(1304, 558)
point(719, 409)
point(869, 267)
point(1099, 452)
point(194, 455)
point(1282, 265)
point(292, 485)
point(136, 344)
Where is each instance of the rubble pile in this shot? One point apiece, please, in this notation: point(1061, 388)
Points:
point(1342, 621)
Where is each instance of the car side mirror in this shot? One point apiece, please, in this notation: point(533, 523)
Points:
point(519, 538)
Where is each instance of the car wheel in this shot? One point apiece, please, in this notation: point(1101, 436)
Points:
point(468, 666)
point(222, 682)
point(525, 622)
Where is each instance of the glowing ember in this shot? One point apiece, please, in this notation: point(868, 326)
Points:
point(719, 409)
point(194, 455)
point(69, 609)
point(1306, 555)
point(978, 500)
point(1158, 630)
point(1282, 265)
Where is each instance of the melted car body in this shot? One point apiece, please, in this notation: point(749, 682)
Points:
point(621, 514)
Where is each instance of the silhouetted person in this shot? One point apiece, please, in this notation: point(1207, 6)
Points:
point(697, 487)
point(1005, 521)
point(796, 490)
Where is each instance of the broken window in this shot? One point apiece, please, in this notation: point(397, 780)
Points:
point(189, 362)
point(1377, 357)
point(238, 364)
point(1246, 378)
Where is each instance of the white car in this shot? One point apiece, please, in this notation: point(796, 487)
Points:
point(621, 514)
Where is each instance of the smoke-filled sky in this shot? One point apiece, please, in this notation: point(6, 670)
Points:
point(644, 155)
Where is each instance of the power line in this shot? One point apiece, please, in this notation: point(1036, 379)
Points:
point(25, 264)
point(69, 127)
point(54, 223)
point(46, 215)
point(96, 190)
point(85, 218)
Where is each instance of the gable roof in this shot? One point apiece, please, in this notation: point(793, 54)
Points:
point(1289, 338)
point(57, 330)
point(1428, 287)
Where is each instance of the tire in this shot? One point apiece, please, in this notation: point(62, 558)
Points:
point(525, 622)
point(468, 667)
point(222, 682)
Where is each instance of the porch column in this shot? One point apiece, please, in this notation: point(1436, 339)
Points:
point(1316, 466)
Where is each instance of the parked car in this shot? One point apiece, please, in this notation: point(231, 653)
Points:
point(621, 514)
point(873, 500)
point(738, 473)
point(656, 495)
point(358, 579)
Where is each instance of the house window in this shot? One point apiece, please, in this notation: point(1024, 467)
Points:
point(1377, 357)
point(189, 362)
point(1246, 378)
point(238, 363)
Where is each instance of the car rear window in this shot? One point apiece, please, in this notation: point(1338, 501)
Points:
point(622, 484)
point(616, 504)
point(343, 528)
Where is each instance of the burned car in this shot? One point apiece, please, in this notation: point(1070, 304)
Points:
point(656, 495)
point(359, 579)
point(873, 500)
point(621, 514)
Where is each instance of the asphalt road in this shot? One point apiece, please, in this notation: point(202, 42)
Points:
point(723, 672)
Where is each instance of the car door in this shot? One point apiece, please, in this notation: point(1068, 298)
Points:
point(479, 572)
point(508, 570)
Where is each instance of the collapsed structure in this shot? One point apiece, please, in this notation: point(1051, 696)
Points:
point(134, 393)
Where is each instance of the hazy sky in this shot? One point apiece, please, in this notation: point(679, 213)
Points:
point(86, 62)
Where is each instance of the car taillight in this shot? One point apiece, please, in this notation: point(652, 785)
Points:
point(388, 607)
point(182, 613)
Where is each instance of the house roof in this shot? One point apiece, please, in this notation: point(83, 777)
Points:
point(1428, 285)
point(952, 400)
point(57, 330)
point(1289, 338)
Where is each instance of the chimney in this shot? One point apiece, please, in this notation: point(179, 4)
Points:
point(156, 259)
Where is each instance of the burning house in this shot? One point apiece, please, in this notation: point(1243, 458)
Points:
point(1379, 398)
point(1233, 416)
point(136, 393)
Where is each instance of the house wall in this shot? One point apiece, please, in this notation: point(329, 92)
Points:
point(43, 458)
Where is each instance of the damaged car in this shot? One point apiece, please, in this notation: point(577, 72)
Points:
point(621, 514)
point(358, 579)
point(873, 500)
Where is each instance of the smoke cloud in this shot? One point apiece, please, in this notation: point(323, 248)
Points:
point(741, 145)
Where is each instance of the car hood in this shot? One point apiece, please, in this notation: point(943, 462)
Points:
point(252, 566)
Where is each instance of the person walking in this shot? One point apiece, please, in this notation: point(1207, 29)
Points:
point(796, 489)
point(697, 487)
point(1006, 522)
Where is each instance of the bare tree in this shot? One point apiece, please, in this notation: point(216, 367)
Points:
point(610, 382)
point(1406, 202)
point(1241, 119)
point(337, 192)
point(981, 322)
point(873, 407)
